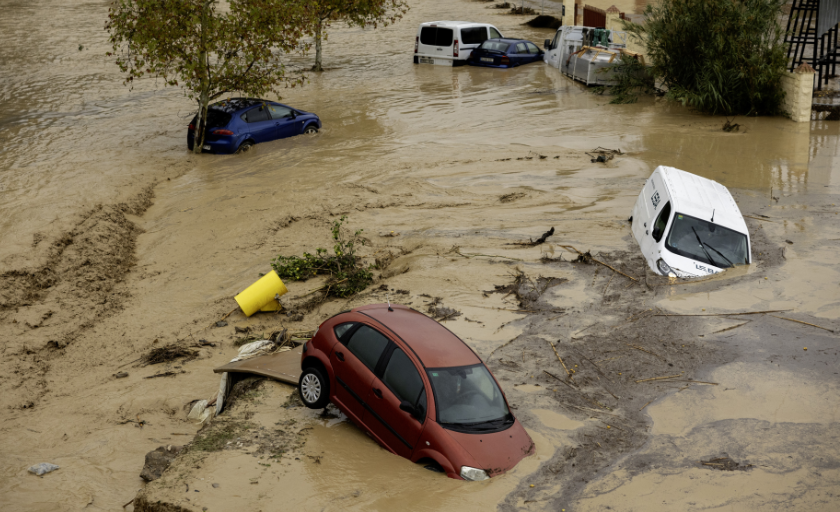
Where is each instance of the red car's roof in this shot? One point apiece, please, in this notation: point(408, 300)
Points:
point(433, 343)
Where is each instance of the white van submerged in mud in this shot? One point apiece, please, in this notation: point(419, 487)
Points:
point(450, 43)
point(689, 226)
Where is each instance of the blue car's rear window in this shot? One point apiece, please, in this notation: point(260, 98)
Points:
point(495, 46)
point(215, 118)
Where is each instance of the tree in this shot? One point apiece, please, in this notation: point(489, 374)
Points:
point(359, 13)
point(718, 56)
point(207, 47)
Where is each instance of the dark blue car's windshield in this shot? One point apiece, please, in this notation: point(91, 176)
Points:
point(495, 46)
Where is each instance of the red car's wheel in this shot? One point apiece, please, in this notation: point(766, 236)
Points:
point(314, 388)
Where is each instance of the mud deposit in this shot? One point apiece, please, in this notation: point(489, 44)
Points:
point(126, 246)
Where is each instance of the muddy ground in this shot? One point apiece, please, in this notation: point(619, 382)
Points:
point(131, 244)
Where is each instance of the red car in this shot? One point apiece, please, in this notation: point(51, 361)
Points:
point(415, 388)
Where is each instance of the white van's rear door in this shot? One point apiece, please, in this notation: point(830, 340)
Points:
point(435, 45)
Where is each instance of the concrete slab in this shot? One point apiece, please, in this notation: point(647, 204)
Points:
point(282, 366)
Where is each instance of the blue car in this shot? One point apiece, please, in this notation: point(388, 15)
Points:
point(237, 124)
point(505, 53)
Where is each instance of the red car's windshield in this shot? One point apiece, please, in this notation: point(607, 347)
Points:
point(468, 398)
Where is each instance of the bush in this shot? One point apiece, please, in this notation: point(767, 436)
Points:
point(718, 56)
point(347, 274)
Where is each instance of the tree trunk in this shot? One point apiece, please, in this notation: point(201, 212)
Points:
point(198, 139)
point(317, 66)
point(203, 99)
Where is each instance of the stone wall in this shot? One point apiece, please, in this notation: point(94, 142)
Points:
point(799, 90)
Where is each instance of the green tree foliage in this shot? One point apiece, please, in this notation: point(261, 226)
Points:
point(718, 56)
point(207, 47)
point(347, 274)
point(359, 13)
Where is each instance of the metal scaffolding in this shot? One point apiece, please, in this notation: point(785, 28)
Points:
point(812, 37)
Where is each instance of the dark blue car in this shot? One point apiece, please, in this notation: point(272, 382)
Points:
point(237, 124)
point(505, 53)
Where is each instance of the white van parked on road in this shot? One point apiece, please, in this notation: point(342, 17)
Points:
point(450, 43)
point(689, 226)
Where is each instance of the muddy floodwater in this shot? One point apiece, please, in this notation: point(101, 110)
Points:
point(115, 240)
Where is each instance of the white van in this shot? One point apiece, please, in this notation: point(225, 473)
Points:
point(689, 226)
point(450, 43)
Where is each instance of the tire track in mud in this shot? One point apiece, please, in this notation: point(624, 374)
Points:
point(81, 282)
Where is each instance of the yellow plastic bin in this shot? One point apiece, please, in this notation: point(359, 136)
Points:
point(260, 293)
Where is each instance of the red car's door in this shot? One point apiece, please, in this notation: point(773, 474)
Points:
point(353, 364)
point(400, 381)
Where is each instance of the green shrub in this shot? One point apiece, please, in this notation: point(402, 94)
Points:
point(632, 79)
point(718, 56)
point(347, 274)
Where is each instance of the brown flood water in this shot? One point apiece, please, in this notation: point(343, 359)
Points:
point(422, 151)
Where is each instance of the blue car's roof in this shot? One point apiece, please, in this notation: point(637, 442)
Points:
point(508, 40)
point(234, 105)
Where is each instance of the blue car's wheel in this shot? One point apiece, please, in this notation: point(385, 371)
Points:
point(245, 146)
point(310, 130)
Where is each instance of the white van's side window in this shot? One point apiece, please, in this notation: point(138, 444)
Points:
point(436, 36)
point(661, 222)
point(473, 35)
point(494, 34)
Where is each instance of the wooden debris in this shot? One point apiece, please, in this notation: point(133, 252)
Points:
point(558, 378)
point(659, 378)
point(758, 218)
point(730, 328)
point(725, 314)
point(561, 361)
point(801, 322)
point(645, 350)
point(645, 405)
point(600, 262)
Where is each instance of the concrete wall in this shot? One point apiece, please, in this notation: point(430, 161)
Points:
point(614, 23)
point(799, 90)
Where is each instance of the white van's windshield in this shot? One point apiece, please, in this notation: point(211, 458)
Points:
point(703, 241)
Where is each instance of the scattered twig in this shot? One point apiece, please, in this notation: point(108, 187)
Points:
point(164, 374)
point(730, 328)
point(601, 262)
point(608, 285)
point(758, 218)
point(561, 361)
point(645, 350)
point(538, 241)
point(129, 503)
point(801, 322)
point(726, 314)
point(558, 378)
point(645, 405)
point(472, 255)
point(584, 329)
point(697, 382)
point(659, 378)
